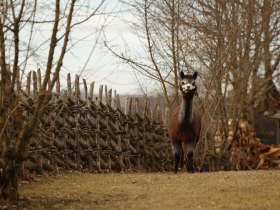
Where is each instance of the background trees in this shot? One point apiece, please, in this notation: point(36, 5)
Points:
point(234, 45)
point(233, 42)
point(163, 38)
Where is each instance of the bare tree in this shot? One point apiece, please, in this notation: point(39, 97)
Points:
point(236, 40)
point(163, 36)
point(15, 16)
point(231, 44)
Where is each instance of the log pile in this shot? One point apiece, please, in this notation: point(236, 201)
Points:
point(269, 156)
point(247, 151)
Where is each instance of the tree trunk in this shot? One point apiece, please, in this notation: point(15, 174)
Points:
point(9, 175)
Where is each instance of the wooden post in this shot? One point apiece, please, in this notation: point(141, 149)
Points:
point(146, 107)
point(100, 94)
point(128, 106)
point(98, 128)
point(35, 86)
point(39, 78)
point(137, 131)
point(117, 101)
point(65, 156)
point(117, 107)
point(77, 117)
point(106, 94)
point(136, 105)
point(77, 86)
point(108, 105)
point(77, 138)
point(166, 116)
point(85, 89)
point(127, 128)
point(145, 126)
point(28, 81)
point(57, 87)
point(109, 101)
point(69, 89)
point(145, 117)
point(91, 89)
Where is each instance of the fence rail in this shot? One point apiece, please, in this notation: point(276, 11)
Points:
point(79, 132)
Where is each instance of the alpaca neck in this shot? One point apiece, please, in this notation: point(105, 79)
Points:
point(186, 110)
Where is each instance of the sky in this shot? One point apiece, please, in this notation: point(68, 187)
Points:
point(102, 66)
point(88, 55)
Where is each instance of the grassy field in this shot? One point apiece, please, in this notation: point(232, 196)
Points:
point(217, 190)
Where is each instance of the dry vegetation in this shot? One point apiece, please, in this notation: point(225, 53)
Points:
point(219, 190)
point(234, 45)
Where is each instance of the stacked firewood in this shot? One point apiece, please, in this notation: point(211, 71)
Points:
point(269, 156)
point(247, 151)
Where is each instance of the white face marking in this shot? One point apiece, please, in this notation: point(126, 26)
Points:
point(187, 85)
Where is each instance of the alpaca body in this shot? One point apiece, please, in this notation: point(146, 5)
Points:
point(185, 127)
point(184, 131)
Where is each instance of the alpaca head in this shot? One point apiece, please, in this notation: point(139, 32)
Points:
point(187, 83)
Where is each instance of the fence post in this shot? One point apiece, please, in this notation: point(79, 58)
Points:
point(97, 136)
point(39, 78)
point(77, 117)
point(91, 89)
point(147, 134)
point(137, 131)
point(117, 102)
point(108, 94)
point(35, 90)
point(69, 88)
point(28, 81)
point(77, 86)
point(128, 131)
point(109, 101)
point(117, 108)
point(100, 93)
point(66, 96)
point(57, 87)
point(85, 89)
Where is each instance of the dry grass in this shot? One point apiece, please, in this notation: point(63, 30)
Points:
point(219, 190)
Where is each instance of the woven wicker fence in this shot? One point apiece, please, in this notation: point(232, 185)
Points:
point(84, 131)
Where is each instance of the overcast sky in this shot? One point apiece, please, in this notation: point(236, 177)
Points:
point(88, 55)
point(103, 67)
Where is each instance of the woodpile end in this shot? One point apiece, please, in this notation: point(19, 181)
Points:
point(247, 151)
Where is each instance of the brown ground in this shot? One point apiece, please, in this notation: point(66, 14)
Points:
point(216, 190)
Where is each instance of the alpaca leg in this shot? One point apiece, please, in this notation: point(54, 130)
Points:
point(184, 154)
point(182, 160)
point(177, 152)
point(190, 161)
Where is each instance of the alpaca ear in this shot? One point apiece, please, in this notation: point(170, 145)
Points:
point(195, 75)
point(182, 74)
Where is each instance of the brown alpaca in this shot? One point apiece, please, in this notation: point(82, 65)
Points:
point(185, 124)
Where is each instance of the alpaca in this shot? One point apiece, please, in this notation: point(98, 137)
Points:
point(185, 124)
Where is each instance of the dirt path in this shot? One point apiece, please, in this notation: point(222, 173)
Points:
point(219, 190)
